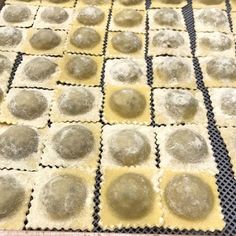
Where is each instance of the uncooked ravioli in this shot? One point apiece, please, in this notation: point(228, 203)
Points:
point(76, 101)
point(181, 104)
point(130, 196)
point(166, 17)
point(16, 13)
point(45, 39)
point(39, 69)
point(81, 67)
point(130, 2)
point(126, 42)
point(127, 102)
point(5, 64)
point(128, 18)
point(228, 102)
point(18, 142)
point(187, 146)
point(129, 147)
point(73, 142)
point(85, 38)
point(28, 104)
point(90, 15)
point(63, 196)
point(11, 197)
point(54, 15)
point(10, 36)
point(189, 197)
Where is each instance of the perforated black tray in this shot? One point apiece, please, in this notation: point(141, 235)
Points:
point(225, 179)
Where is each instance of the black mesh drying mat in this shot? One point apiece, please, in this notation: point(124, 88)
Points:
point(225, 179)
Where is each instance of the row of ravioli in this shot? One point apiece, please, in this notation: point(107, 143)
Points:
point(63, 198)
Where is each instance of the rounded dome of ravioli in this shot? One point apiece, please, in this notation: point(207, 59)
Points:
point(63, 196)
point(168, 39)
point(222, 68)
point(127, 102)
point(173, 68)
point(5, 64)
point(211, 2)
point(228, 102)
point(16, 13)
point(187, 146)
point(75, 101)
point(130, 2)
point(181, 104)
point(212, 16)
point(45, 39)
point(126, 70)
point(73, 142)
point(90, 15)
point(126, 42)
point(128, 18)
point(216, 41)
point(28, 104)
point(166, 16)
point(85, 37)
point(10, 36)
point(39, 69)
point(188, 196)
point(81, 67)
point(129, 147)
point(130, 196)
point(58, 1)
point(12, 195)
point(18, 142)
point(54, 15)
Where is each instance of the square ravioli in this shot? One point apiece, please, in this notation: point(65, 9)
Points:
point(233, 18)
point(128, 20)
point(168, 3)
point(7, 60)
point(54, 17)
point(62, 199)
point(233, 5)
point(128, 145)
point(126, 71)
point(91, 16)
point(125, 44)
point(26, 106)
point(130, 4)
point(170, 42)
point(58, 3)
point(98, 3)
point(176, 106)
point(215, 44)
point(37, 72)
point(218, 71)
point(12, 38)
point(211, 19)
point(186, 147)
point(85, 39)
point(18, 15)
point(173, 72)
point(127, 104)
point(209, 4)
point(76, 103)
point(44, 42)
point(224, 105)
point(229, 137)
point(72, 145)
point(166, 18)
point(16, 188)
point(142, 187)
point(21, 147)
point(195, 205)
point(80, 69)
